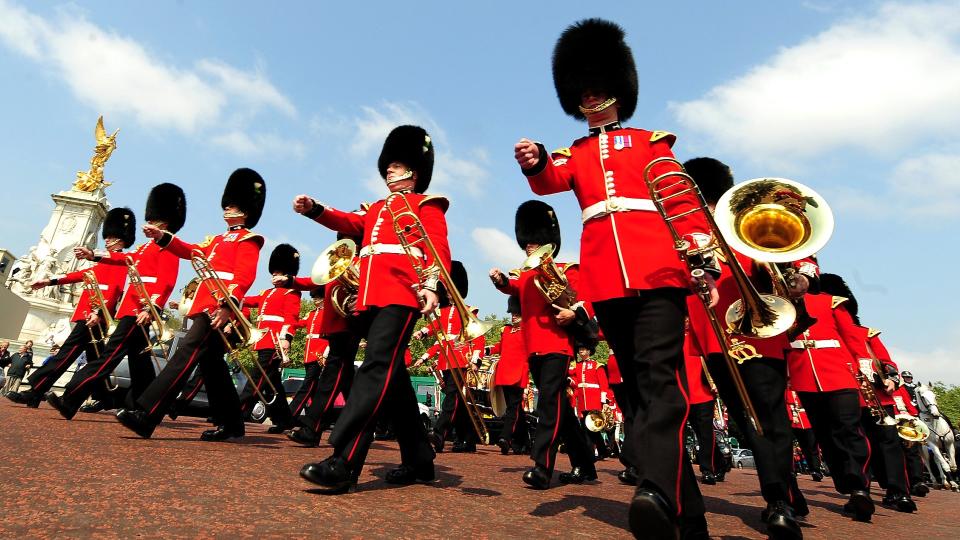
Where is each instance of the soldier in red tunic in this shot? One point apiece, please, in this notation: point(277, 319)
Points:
point(702, 410)
point(548, 329)
point(119, 233)
point(158, 269)
point(804, 435)
point(233, 256)
point(637, 284)
point(392, 295)
point(512, 376)
point(277, 312)
point(591, 393)
point(315, 352)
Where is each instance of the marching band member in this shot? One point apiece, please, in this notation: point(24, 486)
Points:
point(277, 312)
point(636, 282)
point(315, 352)
point(591, 392)
point(903, 405)
point(167, 210)
point(702, 410)
point(233, 256)
point(512, 376)
point(549, 345)
point(453, 411)
point(764, 377)
point(803, 433)
point(119, 233)
point(887, 461)
point(390, 299)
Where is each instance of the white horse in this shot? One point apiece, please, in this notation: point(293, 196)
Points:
point(941, 438)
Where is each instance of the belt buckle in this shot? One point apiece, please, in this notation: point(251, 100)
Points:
point(809, 344)
point(612, 205)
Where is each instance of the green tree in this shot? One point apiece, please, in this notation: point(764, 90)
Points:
point(948, 399)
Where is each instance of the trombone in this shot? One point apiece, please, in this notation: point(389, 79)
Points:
point(759, 315)
point(162, 336)
point(92, 286)
point(244, 334)
point(410, 233)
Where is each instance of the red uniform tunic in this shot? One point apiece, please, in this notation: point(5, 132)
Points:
point(590, 387)
point(541, 333)
point(315, 347)
point(158, 270)
point(902, 403)
point(613, 370)
point(110, 278)
point(796, 412)
point(620, 250)
point(277, 313)
point(386, 275)
point(697, 386)
point(331, 322)
point(875, 346)
point(450, 323)
point(820, 359)
point(233, 255)
point(512, 368)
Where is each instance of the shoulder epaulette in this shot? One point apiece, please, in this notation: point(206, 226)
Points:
point(364, 207)
point(263, 292)
point(665, 136)
point(251, 236)
point(873, 332)
point(836, 301)
point(443, 201)
point(562, 151)
point(515, 273)
point(207, 240)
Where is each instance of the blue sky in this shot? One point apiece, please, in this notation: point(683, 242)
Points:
point(857, 99)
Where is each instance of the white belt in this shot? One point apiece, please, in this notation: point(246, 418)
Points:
point(616, 204)
point(148, 279)
point(394, 249)
point(104, 287)
point(225, 275)
point(271, 318)
point(815, 344)
point(313, 336)
point(588, 385)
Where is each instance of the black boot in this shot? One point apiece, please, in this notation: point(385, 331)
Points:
point(304, 435)
point(137, 422)
point(222, 433)
point(901, 502)
point(331, 473)
point(860, 506)
point(405, 475)
point(781, 522)
point(651, 517)
point(628, 476)
point(57, 403)
point(579, 475)
point(537, 478)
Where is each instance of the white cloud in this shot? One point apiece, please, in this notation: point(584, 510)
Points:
point(115, 74)
point(876, 82)
point(261, 144)
point(498, 248)
point(929, 366)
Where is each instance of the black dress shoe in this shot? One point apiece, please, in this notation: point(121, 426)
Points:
point(279, 428)
point(720, 476)
point(436, 442)
point(708, 479)
point(404, 475)
point(650, 516)
point(464, 447)
point(93, 407)
point(504, 446)
point(901, 502)
point(920, 490)
point(331, 473)
point(537, 478)
point(579, 475)
point(28, 398)
point(817, 476)
point(860, 506)
point(137, 422)
point(628, 476)
point(304, 436)
point(387, 435)
point(781, 522)
point(57, 403)
point(222, 433)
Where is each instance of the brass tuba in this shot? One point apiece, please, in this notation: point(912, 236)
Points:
point(335, 264)
point(600, 421)
point(550, 280)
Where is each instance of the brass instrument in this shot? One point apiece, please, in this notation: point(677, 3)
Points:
point(911, 429)
point(336, 264)
point(599, 421)
point(189, 292)
point(550, 280)
point(92, 286)
point(411, 233)
point(244, 334)
point(162, 336)
point(284, 359)
point(760, 315)
point(870, 398)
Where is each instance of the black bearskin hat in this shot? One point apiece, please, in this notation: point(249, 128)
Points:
point(284, 259)
point(247, 191)
point(120, 223)
point(834, 285)
point(459, 276)
point(412, 146)
point(592, 55)
point(318, 291)
point(167, 203)
point(578, 344)
point(513, 305)
point(536, 223)
point(712, 176)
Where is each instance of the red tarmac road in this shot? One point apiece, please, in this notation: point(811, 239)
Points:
point(91, 477)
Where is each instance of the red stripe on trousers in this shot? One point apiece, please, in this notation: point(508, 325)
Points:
point(107, 361)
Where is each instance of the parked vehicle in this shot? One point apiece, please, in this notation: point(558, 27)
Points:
point(743, 457)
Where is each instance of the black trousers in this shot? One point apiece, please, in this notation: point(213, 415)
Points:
point(203, 348)
point(308, 387)
point(453, 412)
point(382, 387)
point(278, 410)
point(766, 382)
point(44, 377)
point(515, 429)
point(336, 377)
point(914, 463)
point(646, 334)
point(556, 420)
point(623, 398)
point(128, 340)
point(808, 445)
point(835, 417)
point(887, 460)
point(701, 420)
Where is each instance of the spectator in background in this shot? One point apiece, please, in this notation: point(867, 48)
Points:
point(53, 352)
point(20, 363)
point(4, 357)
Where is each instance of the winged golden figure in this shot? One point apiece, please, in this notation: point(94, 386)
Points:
point(93, 179)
